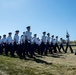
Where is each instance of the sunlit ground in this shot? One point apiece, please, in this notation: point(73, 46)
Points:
point(56, 64)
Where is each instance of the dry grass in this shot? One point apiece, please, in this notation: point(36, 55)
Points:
point(57, 64)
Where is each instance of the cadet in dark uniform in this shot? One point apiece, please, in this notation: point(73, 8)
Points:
point(28, 41)
point(43, 44)
point(4, 45)
point(68, 44)
point(56, 44)
point(12, 50)
point(48, 43)
point(0, 45)
point(39, 46)
point(61, 45)
point(21, 46)
point(52, 44)
point(16, 42)
point(9, 42)
point(35, 43)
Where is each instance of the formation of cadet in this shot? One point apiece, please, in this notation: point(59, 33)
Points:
point(29, 45)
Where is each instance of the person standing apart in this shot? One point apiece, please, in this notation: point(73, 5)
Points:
point(68, 44)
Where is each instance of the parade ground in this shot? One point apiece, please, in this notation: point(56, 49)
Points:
point(53, 64)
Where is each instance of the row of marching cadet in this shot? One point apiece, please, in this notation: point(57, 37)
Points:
point(29, 46)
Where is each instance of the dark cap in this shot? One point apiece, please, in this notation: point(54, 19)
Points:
point(61, 38)
point(52, 35)
point(9, 33)
point(4, 35)
point(56, 36)
point(17, 31)
point(48, 33)
point(44, 32)
point(23, 32)
point(28, 27)
point(35, 34)
point(0, 36)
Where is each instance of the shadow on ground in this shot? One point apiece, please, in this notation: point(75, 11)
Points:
point(41, 61)
point(56, 55)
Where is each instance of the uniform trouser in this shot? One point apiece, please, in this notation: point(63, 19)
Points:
point(16, 48)
point(12, 51)
point(35, 47)
point(67, 45)
point(53, 48)
point(61, 46)
point(48, 46)
point(32, 50)
point(5, 47)
point(26, 47)
point(22, 50)
point(1, 49)
point(43, 49)
point(57, 46)
point(9, 47)
point(39, 48)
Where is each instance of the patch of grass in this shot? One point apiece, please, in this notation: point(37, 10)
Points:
point(57, 64)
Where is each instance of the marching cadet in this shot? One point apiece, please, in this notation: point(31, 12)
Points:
point(35, 42)
point(9, 42)
point(43, 44)
point(0, 45)
point(38, 45)
point(12, 49)
point(32, 48)
point(21, 52)
point(28, 41)
point(56, 44)
point(4, 45)
point(24, 37)
point(16, 41)
point(23, 45)
point(61, 44)
point(52, 44)
point(68, 44)
point(48, 43)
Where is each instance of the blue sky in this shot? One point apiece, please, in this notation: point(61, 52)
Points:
point(53, 16)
